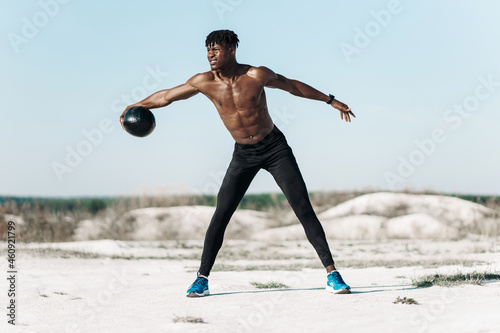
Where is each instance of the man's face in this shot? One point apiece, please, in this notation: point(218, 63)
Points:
point(218, 56)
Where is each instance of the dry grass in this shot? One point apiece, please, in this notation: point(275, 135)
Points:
point(57, 253)
point(449, 280)
point(188, 319)
point(269, 285)
point(405, 300)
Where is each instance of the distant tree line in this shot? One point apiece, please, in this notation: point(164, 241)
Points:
point(14, 205)
point(263, 201)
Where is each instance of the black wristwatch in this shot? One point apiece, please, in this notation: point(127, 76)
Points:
point(331, 99)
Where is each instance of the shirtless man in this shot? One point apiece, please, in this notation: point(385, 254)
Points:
point(237, 92)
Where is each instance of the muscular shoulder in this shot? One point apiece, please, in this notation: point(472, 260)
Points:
point(262, 73)
point(200, 79)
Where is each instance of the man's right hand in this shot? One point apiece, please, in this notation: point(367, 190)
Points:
point(125, 111)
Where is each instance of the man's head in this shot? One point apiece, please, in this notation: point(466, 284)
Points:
point(221, 48)
point(225, 38)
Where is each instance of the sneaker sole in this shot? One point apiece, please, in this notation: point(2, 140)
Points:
point(192, 294)
point(341, 291)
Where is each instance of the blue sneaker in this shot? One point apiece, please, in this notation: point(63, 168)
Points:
point(199, 288)
point(335, 284)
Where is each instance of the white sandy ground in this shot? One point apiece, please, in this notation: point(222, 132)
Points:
point(62, 291)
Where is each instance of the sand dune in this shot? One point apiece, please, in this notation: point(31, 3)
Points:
point(347, 227)
point(393, 215)
point(369, 227)
point(419, 226)
point(449, 210)
point(181, 222)
point(372, 216)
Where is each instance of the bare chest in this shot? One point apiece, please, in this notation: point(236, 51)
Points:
point(242, 95)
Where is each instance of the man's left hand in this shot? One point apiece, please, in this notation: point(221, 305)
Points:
point(345, 111)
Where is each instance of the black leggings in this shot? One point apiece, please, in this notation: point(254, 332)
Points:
point(274, 155)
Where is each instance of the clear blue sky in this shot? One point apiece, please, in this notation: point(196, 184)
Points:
point(423, 78)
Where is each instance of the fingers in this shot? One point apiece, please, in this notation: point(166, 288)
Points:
point(347, 115)
point(121, 121)
point(345, 111)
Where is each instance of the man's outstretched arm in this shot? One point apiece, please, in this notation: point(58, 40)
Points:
point(297, 88)
point(165, 97)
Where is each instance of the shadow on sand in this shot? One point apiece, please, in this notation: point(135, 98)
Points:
point(354, 290)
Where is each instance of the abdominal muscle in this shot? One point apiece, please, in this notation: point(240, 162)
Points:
point(247, 127)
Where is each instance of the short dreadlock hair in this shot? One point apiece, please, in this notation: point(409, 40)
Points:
point(225, 38)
